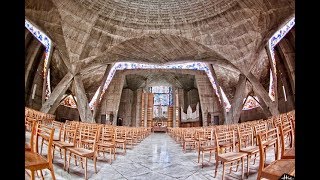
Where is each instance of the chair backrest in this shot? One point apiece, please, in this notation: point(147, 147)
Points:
point(225, 137)
point(245, 135)
point(271, 135)
point(270, 123)
point(88, 137)
point(277, 120)
point(107, 134)
point(58, 129)
point(46, 133)
point(286, 133)
point(70, 133)
point(292, 117)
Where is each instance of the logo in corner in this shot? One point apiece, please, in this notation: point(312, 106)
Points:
point(286, 177)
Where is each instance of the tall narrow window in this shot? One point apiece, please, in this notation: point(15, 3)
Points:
point(162, 100)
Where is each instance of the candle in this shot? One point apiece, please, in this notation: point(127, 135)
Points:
point(284, 93)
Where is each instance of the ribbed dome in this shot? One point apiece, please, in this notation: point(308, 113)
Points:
point(157, 12)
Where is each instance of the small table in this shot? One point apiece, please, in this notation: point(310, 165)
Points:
point(159, 129)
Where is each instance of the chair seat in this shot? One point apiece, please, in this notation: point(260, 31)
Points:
point(277, 168)
point(225, 144)
point(268, 143)
point(231, 156)
point(62, 144)
point(208, 148)
point(88, 141)
point(289, 154)
point(81, 151)
point(189, 140)
point(120, 140)
point(106, 144)
point(250, 149)
point(35, 161)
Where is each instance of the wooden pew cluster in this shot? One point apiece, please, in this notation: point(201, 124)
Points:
point(233, 144)
point(75, 140)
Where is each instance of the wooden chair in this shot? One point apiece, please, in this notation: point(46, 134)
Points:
point(247, 145)
point(188, 139)
point(107, 142)
point(225, 156)
point(277, 120)
point(87, 146)
point(270, 123)
point(30, 126)
point(33, 160)
point(258, 128)
point(68, 139)
point(292, 117)
point(58, 126)
point(121, 138)
point(278, 167)
point(287, 133)
point(205, 143)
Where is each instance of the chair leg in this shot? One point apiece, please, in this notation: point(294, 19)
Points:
point(52, 173)
point(95, 164)
point(242, 168)
point(215, 171)
point(60, 154)
point(85, 171)
point(41, 175)
point(230, 168)
point(32, 175)
point(81, 161)
point(69, 162)
point(75, 159)
point(254, 160)
point(223, 166)
point(210, 156)
point(64, 159)
point(198, 155)
point(248, 158)
point(202, 158)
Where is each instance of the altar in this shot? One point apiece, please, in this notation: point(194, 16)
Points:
point(159, 127)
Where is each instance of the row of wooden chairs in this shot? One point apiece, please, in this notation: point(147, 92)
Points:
point(232, 143)
point(29, 112)
point(85, 141)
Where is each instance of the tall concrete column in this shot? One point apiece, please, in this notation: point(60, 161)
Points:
point(145, 117)
point(82, 100)
point(219, 92)
point(57, 93)
point(97, 106)
point(237, 102)
point(174, 99)
point(138, 108)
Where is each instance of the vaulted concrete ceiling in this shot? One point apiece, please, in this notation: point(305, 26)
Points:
point(164, 78)
point(230, 34)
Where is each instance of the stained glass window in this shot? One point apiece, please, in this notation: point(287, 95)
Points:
point(46, 41)
point(273, 41)
point(162, 100)
point(250, 103)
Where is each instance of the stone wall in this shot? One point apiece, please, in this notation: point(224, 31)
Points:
point(125, 107)
point(62, 113)
point(112, 97)
point(209, 103)
point(252, 114)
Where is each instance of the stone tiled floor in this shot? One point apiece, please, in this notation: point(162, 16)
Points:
point(156, 157)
